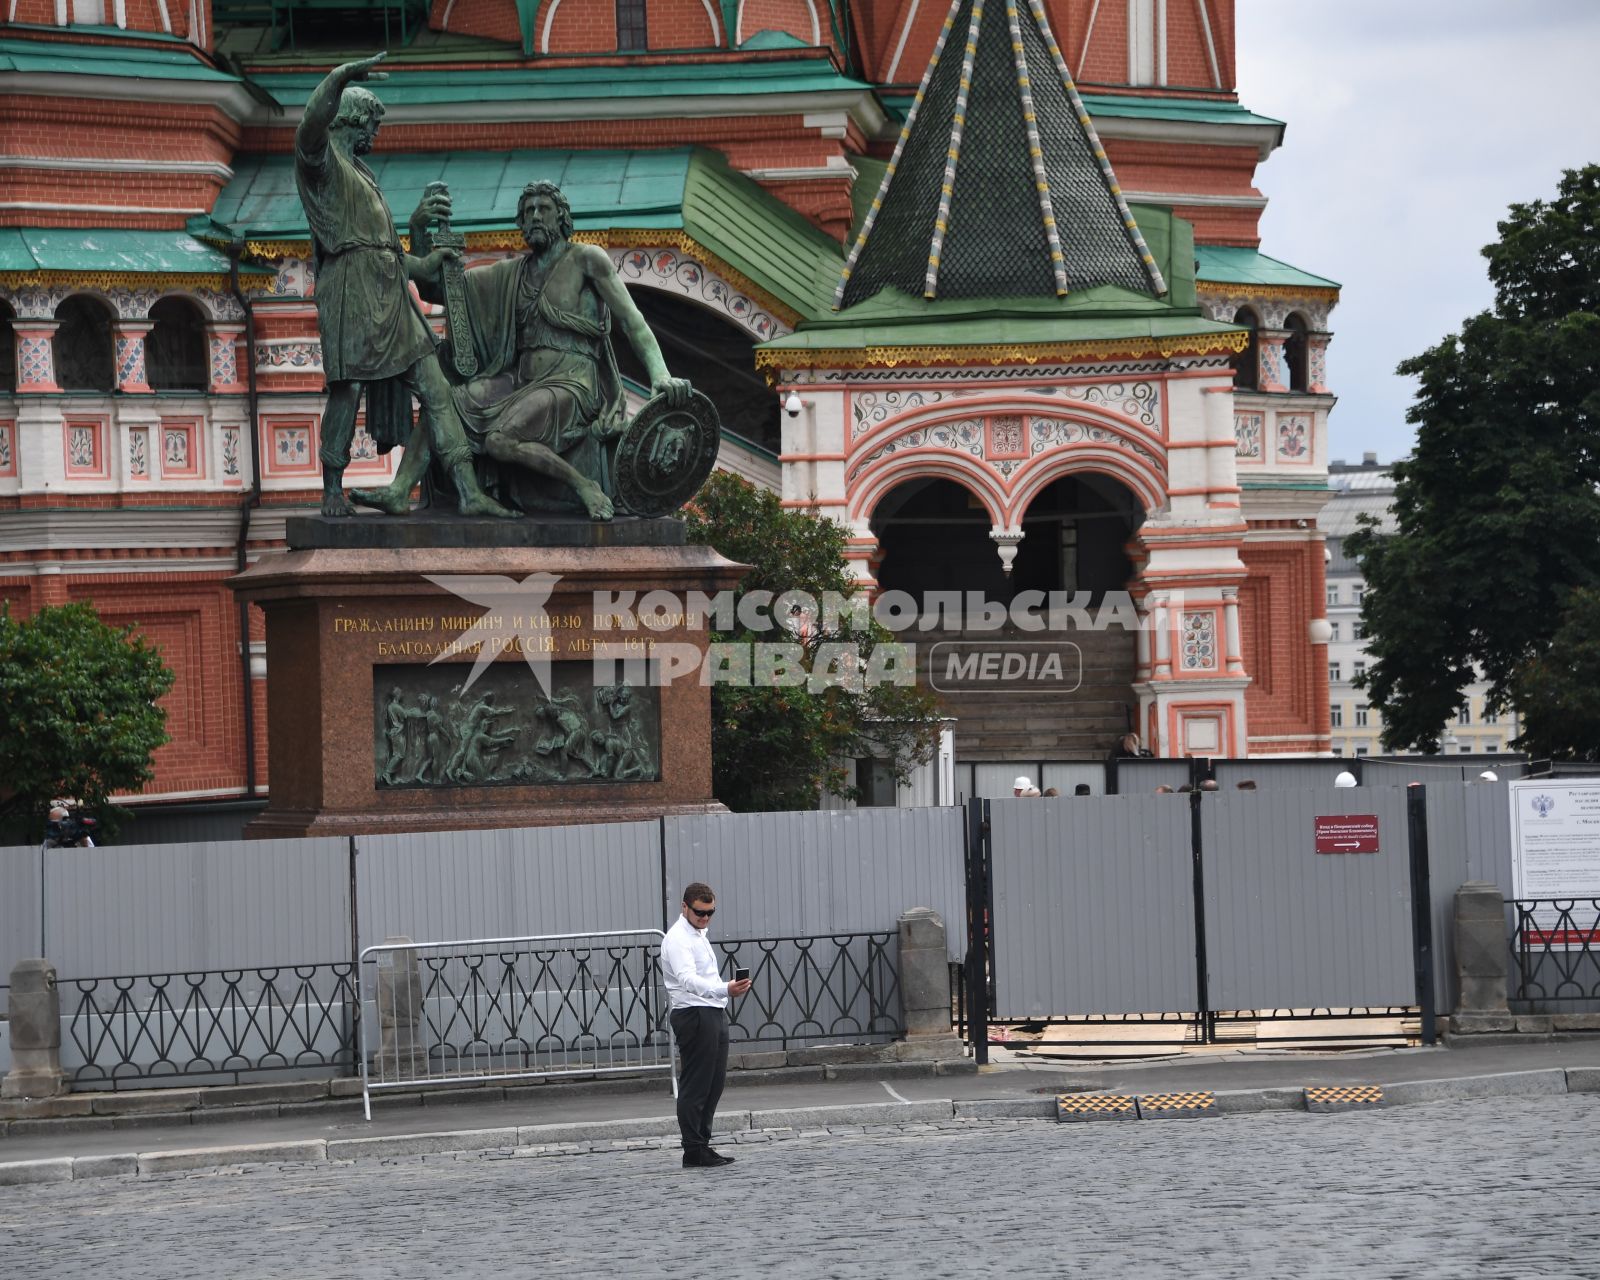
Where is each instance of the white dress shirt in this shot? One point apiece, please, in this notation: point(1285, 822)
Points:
point(689, 968)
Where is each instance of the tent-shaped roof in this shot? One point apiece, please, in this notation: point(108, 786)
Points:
point(999, 186)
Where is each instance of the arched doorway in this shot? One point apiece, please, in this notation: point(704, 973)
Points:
point(933, 535)
point(1076, 531)
point(713, 353)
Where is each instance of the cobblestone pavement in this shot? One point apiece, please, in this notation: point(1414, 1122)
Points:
point(1500, 1187)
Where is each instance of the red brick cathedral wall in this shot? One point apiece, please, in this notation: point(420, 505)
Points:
point(1288, 695)
point(191, 618)
point(880, 24)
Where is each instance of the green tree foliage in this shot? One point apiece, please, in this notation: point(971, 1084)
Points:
point(78, 714)
point(1498, 509)
point(1557, 694)
point(780, 746)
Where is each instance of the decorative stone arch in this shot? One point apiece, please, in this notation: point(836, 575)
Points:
point(747, 23)
point(1075, 401)
point(675, 270)
point(1147, 485)
point(176, 356)
point(1009, 436)
point(926, 465)
point(86, 356)
point(547, 22)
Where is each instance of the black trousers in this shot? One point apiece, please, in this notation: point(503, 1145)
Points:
point(702, 1036)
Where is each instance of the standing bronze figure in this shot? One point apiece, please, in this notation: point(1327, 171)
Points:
point(374, 337)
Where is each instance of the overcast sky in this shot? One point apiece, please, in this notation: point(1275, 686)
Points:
point(1412, 126)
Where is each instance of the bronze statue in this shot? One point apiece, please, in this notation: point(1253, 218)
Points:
point(374, 337)
point(545, 409)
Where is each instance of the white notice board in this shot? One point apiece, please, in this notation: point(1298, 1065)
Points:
point(1555, 837)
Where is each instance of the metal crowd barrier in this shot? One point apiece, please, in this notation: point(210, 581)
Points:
point(577, 1004)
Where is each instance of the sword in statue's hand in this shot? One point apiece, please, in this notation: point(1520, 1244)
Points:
point(454, 276)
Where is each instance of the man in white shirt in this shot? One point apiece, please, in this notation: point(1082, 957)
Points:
point(699, 996)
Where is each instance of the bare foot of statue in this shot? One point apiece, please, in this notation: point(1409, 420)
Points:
point(334, 503)
point(386, 500)
point(595, 500)
point(481, 504)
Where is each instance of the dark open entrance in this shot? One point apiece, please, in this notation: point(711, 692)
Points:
point(1076, 531)
point(1009, 703)
point(934, 536)
point(714, 354)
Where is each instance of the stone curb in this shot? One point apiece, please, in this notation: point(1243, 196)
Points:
point(203, 1103)
point(1554, 1080)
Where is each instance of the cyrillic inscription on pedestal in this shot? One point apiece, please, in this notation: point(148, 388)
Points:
point(430, 730)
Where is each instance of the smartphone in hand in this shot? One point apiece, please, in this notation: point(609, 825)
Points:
point(740, 974)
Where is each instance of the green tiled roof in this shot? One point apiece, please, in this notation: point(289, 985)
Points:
point(606, 188)
point(406, 88)
point(1227, 264)
point(115, 249)
point(684, 189)
point(1195, 110)
point(999, 186)
point(137, 61)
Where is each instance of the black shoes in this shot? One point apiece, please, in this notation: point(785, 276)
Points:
point(704, 1158)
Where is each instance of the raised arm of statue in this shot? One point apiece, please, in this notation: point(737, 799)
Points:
point(311, 137)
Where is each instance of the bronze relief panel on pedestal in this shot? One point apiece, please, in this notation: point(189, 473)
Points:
point(430, 731)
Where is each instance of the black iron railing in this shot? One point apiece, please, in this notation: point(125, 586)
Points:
point(157, 1027)
point(813, 989)
point(1555, 950)
point(523, 1006)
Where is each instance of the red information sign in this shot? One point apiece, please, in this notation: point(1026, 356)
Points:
point(1347, 833)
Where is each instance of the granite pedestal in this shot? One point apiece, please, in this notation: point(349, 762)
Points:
point(369, 714)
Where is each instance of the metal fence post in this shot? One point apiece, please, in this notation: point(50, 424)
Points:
point(1202, 977)
point(1421, 907)
point(352, 1021)
point(979, 928)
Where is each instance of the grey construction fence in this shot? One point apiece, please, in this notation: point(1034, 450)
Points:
point(211, 960)
point(1098, 910)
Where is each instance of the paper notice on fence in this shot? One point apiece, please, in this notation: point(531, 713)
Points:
point(1555, 842)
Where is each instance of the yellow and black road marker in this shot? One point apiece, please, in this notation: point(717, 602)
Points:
point(1077, 1107)
point(1343, 1097)
point(1177, 1106)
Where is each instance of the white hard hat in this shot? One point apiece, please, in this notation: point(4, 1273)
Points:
point(1022, 784)
point(1488, 775)
point(1345, 779)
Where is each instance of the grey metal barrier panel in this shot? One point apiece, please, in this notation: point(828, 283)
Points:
point(1294, 773)
point(1398, 771)
point(1469, 838)
point(588, 1003)
point(815, 874)
point(189, 907)
point(509, 883)
point(1448, 838)
point(992, 781)
point(19, 908)
point(1066, 777)
point(1093, 906)
point(188, 823)
point(1140, 776)
point(1289, 928)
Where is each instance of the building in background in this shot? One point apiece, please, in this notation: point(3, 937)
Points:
point(1025, 424)
point(1367, 489)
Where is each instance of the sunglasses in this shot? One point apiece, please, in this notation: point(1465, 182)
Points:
point(704, 915)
